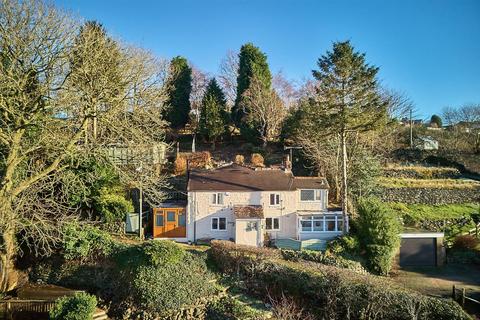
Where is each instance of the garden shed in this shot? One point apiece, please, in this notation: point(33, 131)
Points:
point(422, 249)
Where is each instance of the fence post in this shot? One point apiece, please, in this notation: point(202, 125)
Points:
point(453, 293)
point(463, 297)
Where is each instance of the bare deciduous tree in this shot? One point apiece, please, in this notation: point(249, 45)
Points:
point(266, 110)
point(228, 76)
point(45, 111)
point(285, 89)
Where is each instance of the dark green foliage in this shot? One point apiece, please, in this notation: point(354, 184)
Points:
point(436, 120)
point(172, 285)
point(344, 244)
point(363, 174)
point(161, 253)
point(378, 230)
point(81, 306)
point(229, 308)
point(85, 242)
point(349, 91)
point(252, 64)
point(213, 117)
point(327, 258)
point(179, 84)
point(112, 206)
point(328, 292)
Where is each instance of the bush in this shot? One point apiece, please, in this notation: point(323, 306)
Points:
point(379, 234)
point(85, 242)
point(257, 160)
point(81, 306)
point(331, 293)
point(327, 258)
point(173, 285)
point(344, 244)
point(112, 206)
point(465, 242)
point(463, 256)
point(229, 308)
point(180, 165)
point(160, 253)
point(239, 159)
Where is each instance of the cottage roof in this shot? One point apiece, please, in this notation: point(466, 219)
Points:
point(240, 178)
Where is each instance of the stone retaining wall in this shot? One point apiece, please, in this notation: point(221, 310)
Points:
point(430, 196)
point(428, 173)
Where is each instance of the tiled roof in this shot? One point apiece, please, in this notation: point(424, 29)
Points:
point(240, 178)
point(252, 211)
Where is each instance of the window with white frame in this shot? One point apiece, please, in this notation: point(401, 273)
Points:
point(309, 195)
point(217, 198)
point(274, 199)
point(321, 223)
point(272, 224)
point(219, 224)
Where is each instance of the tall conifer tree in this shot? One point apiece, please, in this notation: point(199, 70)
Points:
point(179, 84)
point(347, 100)
point(252, 64)
point(213, 113)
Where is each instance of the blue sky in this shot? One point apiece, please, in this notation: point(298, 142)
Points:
point(429, 49)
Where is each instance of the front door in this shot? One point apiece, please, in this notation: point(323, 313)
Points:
point(169, 223)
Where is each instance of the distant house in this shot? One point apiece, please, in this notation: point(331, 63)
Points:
point(248, 205)
point(426, 143)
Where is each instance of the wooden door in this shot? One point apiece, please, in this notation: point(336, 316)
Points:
point(169, 223)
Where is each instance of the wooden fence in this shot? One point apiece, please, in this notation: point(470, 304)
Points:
point(465, 301)
point(9, 307)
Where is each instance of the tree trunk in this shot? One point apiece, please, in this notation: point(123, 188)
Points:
point(8, 275)
point(343, 145)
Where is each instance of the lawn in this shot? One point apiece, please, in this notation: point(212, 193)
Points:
point(419, 212)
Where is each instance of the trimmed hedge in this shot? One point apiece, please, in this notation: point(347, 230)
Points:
point(323, 258)
point(328, 292)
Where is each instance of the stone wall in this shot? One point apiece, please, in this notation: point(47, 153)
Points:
point(430, 196)
point(427, 173)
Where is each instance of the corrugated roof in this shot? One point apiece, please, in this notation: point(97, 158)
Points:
point(240, 178)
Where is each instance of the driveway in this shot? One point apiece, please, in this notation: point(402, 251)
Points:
point(438, 281)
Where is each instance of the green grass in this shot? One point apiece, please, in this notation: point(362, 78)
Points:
point(429, 183)
point(422, 170)
point(419, 212)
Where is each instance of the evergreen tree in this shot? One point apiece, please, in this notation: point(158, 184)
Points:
point(436, 120)
point(179, 84)
point(213, 113)
point(252, 64)
point(347, 101)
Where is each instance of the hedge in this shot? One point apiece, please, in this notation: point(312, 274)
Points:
point(328, 292)
point(81, 306)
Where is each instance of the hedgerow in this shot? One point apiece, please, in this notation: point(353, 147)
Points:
point(328, 292)
point(81, 306)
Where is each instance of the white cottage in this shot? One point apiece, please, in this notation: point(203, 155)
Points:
point(248, 205)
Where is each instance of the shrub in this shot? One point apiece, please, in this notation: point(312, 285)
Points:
point(463, 256)
point(257, 160)
point(344, 244)
point(163, 252)
point(85, 241)
point(81, 306)
point(229, 308)
point(327, 258)
point(239, 159)
point(171, 286)
point(180, 165)
point(465, 242)
point(379, 234)
point(112, 206)
point(331, 293)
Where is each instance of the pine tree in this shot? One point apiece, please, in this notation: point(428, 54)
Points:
point(213, 113)
point(348, 99)
point(179, 84)
point(436, 120)
point(252, 64)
